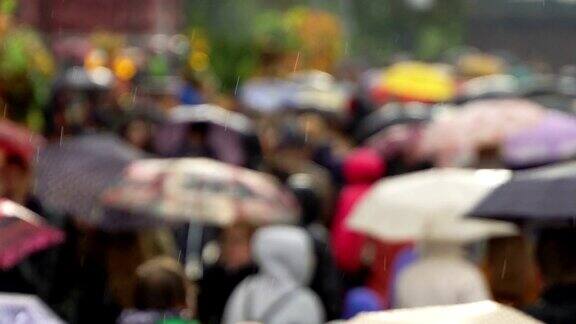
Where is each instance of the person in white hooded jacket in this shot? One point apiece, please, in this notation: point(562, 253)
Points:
point(278, 293)
point(441, 276)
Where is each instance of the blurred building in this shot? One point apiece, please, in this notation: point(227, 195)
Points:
point(131, 17)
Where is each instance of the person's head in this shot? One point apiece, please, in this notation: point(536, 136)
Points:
point(305, 191)
point(197, 134)
point(285, 253)
point(15, 177)
point(235, 245)
point(161, 284)
point(138, 133)
point(363, 165)
point(555, 255)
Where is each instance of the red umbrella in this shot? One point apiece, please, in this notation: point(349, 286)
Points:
point(22, 233)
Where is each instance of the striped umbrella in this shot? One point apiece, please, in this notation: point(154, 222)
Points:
point(23, 233)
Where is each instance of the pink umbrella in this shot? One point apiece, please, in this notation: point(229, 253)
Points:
point(23, 233)
point(454, 139)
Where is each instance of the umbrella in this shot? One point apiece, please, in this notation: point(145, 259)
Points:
point(226, 134)
point(211, 114)
point(317, 91)
point(18, 140)
point(396, 140)
point(483, 312)
point(25, 309)
point(23, 233)
point(201, 190)
point(390, 115)
point(429, 205)
point(497, 85)
point(265, 96)
point(72, 175)
point(417, 81)
point(542, 195)
point(455, 138)
point(79, 78)
point(553, 139)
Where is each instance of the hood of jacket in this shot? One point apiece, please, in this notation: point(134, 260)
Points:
point(284, 253)
point(363, 166)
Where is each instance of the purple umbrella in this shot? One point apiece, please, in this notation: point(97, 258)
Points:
point(552, 140)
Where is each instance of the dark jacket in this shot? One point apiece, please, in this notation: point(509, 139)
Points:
point(556, 306)
point(215, 288)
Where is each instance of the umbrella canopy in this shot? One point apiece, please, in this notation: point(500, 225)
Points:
point(417, 81)
point(23, 233)
point(25, 309)
point(390, 115)
point(455, 138)
point(265, 95)
point(317, 91)
point(79, 78)
point(551, 140)
point(429, 205)
point(226, 134)
point(201, 190)
point(497, 85)
point(484, 312)
point(72, 175)
point(210, 114)
point(18, 140)
point(540, 196)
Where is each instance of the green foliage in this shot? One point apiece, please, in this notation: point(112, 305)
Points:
point(8, 7)
point(26, 68)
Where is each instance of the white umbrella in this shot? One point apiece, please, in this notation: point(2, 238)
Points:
point(430, 205)
point(484, 312)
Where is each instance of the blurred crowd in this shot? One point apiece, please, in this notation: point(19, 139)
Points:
point(144, 194)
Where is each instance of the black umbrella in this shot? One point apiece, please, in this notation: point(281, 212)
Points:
point(390, 115)
point(72, 175)
point(540, 196)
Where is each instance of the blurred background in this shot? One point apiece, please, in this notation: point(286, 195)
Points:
point(287, 161)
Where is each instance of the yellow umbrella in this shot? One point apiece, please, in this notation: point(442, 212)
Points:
point(417, 81)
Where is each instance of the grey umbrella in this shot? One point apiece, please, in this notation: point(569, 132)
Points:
point(71, 176)
point(542, 195)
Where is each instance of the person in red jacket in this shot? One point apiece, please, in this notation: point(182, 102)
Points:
point(361, 168)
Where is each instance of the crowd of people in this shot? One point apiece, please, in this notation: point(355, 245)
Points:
point(325, 142)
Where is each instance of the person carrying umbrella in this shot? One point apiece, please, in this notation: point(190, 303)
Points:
point(555, 255)
point(429, 207)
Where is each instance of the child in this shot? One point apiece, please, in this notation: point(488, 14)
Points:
point(162, 294)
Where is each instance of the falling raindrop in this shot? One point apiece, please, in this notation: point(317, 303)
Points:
point(37, 154)
point(226, 121)
point(504, 265)
point(236, 88)
point(134, 94)
point(296, 63)
point(4, 114)
point(306, 131)
point(61, 134)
